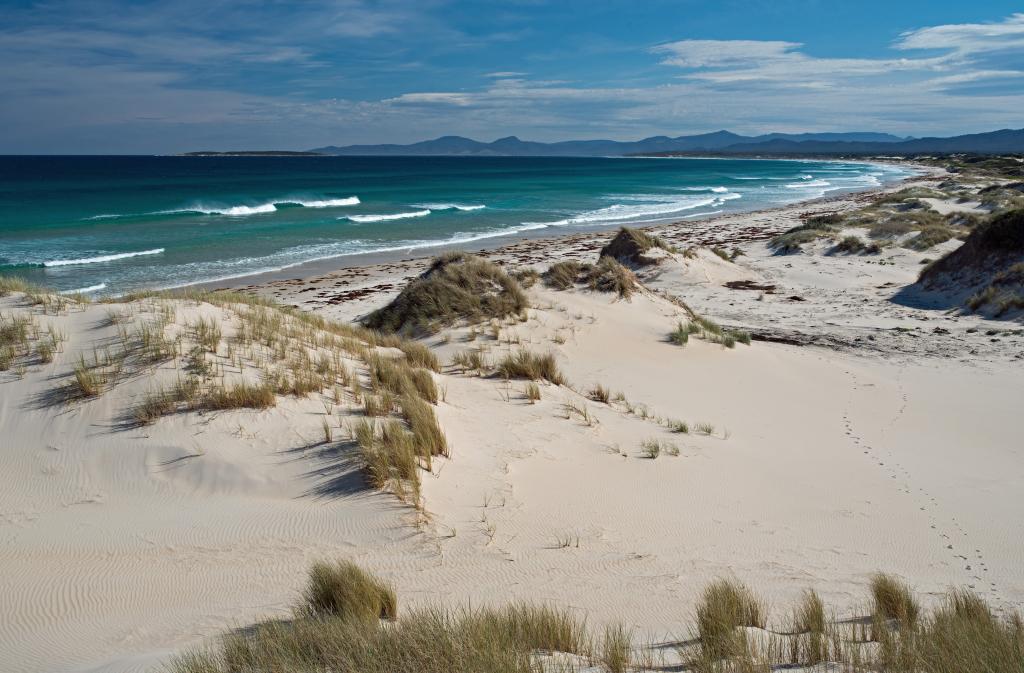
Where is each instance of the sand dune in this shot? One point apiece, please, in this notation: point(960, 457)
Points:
point(887, 443)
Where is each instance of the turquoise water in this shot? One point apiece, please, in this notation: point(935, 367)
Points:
point(115, 224)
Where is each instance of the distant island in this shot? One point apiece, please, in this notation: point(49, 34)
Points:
point(253, 153)
point(1005, 141)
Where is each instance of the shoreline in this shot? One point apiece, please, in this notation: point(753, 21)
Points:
point(358, 277)
point(497, 244)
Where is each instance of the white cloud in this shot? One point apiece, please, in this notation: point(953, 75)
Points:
point(968, 38)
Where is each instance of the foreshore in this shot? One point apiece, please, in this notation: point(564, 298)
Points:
point(325, 285)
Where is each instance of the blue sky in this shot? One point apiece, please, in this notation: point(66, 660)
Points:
point(106, 76)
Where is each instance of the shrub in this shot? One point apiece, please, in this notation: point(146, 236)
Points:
point(343, 589)
point(562, 275)
point(610, 276)
point(455, 287)
point(532, 392)
point(526, 365)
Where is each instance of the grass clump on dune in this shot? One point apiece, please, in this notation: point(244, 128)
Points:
point(893, 600)
point(348, 621)
point(819, 226)
point(428, 438)
point(526, 365)
point(609, 275)
point(562, 275)
point(725, 606)
point(398, 378)
point(343, 589)
point(240, 396)
point(629, 245)
point(456, 287)
point(929, 237)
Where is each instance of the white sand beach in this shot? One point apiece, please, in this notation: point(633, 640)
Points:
point(856, 433)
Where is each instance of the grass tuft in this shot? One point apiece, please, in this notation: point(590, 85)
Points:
point(343, 589)
point(526, 365)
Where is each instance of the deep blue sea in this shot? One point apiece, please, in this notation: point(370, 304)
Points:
point(115, 224)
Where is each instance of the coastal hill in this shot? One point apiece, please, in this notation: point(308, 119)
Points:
point(513, 146)
point(720, 142)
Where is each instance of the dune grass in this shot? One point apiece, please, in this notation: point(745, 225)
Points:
point(893, 600)
point(608, 275)
point(343, 589)
point(726, 605)
point(456, 287)
point(526, 365)
point(629, 245)
point(348, 620)
point(562, 275)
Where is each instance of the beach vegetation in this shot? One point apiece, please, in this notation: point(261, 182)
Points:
point(608, 275)
point(524, 364)
point(893, 600)
point(343, 589)
point(456, 287)
point(725, 606)
point(600, 393)
point(563, 275)
point(629, 246)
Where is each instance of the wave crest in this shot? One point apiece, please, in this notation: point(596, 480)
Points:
point(363, 219)
point(102, 258)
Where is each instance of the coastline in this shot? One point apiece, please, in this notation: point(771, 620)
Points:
point(833, 447)
point(357, 278)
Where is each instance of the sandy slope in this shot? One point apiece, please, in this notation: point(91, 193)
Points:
point(884, 445)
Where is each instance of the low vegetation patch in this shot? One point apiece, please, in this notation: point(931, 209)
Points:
point(630, 245)
point(526, 365)
point(457, 287)
point(343, 589)
point(348, 621)
point(609, 275)
point(563, 275)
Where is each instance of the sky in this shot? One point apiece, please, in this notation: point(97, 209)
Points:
point(118, 77)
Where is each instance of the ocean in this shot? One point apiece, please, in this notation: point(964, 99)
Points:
point(109, 225)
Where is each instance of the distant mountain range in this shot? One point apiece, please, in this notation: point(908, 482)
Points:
point(719, 142)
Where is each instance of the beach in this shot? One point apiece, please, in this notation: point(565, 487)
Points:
point(860, 430)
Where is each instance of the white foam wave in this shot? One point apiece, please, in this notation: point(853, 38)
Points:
point(235, 211)
point(102, 258)
point(620, 212)
point(717, 190)
point(325, 203)
point(87, 290)
point(450, 206)
point(363, 219)
point(812, 183)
